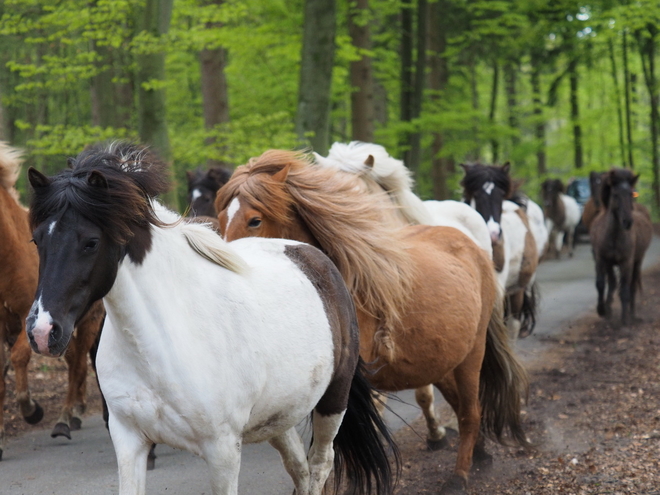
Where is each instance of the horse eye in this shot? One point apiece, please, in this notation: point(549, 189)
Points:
point(254, 222)
point(91, 245)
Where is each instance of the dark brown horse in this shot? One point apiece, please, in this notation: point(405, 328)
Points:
point(620, 235)
point(202, 186)
point(18, 284)
point(592, 206)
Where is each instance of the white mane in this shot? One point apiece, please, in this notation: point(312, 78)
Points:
point(203, 240)
point(388, 172)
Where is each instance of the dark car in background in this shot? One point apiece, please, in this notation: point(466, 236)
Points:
point(579, 189)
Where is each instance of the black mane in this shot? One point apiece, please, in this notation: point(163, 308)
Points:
point(111, 186)
point(613, 178)
point(477, 175)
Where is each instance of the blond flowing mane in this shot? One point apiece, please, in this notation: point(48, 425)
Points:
point(385, 172)
point(10, 165)
point(347, 223)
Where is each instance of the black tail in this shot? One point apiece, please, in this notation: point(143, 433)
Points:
point(362, 444)
point(528, 310)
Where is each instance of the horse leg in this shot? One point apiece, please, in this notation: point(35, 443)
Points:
point(600, 287)
point(224, 460)
point(624, 292)
point(466, 377)
point(321, 454)
point(611, 288)
point(570, 240)
point(559, 242)
point(131, 449)
point(436, 433)
point(634, 285)
point(513, 322)
point(65, 423)
point(292, 452)
point(20, 359)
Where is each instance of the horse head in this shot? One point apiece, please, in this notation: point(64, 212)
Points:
point(617, 190)
point(595, 181)
point(550, 190)
point(485, 187)
point(256, 203)
point(202, 188)
point(84, 221)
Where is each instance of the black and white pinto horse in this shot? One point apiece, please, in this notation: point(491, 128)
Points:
point(516, 238)
point(562, 215)
point(207, 345)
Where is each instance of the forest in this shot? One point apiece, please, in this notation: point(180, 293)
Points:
point(557, 87)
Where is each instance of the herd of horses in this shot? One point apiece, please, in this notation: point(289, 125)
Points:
point(298, 285)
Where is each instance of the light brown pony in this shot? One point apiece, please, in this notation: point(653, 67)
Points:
point(18, 284)
point(426, 297)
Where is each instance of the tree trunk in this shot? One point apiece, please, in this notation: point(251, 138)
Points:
point(215, 99)
point(626, 86)
point(103, 103)
point(510, 72)
point(617, 95)
point(407, 68)
point(474, 154)
point(575, 114)
point(318, 54)
point(438, 79)
point(539, 122)
point(495, 146)
point(414, 157)
point(647, 52)
point(362, 83)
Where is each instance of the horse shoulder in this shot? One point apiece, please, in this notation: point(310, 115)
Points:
point(572, 210)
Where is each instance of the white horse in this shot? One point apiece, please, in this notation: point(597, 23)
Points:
point(206, 345)
point(380, 171)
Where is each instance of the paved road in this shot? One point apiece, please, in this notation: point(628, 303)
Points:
point(38, 465)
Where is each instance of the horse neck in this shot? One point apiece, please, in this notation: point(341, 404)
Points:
point(557, 209)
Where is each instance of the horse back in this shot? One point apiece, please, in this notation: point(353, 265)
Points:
point(589, 213)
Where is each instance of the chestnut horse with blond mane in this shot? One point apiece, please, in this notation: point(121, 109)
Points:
point(18, 283)
point(426, 297)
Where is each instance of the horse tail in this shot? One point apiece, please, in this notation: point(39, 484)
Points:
point(503, 385)
point(362, 443)
point(528, 310)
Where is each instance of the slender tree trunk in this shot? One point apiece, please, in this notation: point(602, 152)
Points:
point(626, 86)
point(407, 68)
point(362, 83)
point(647, 52)
point(318, 55)
point(510, 76)
point(617, 95)
point(438, 83)
point(575, 114)
point(474, 154)
point(495, 145)
point(415, 153)
point(539, 122)
point(103, 103)
point(215, 98)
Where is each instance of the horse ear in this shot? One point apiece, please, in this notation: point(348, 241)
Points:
point(506, 168)
point(465, 167)
point(97, 179)
point(369, 162)
point(282, 174)
point(69, 162)
point(189, 175)
point(37, 179)
point(634, 180)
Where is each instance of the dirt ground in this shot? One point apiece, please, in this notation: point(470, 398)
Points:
point(593, 411)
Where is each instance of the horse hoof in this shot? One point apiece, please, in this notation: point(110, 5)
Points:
point(434, 445)
point(455, 485)
point(75, 423)
point(36, 416)
point(151, 464)
point(61, 430)
point(0, 454)
point(481, 459)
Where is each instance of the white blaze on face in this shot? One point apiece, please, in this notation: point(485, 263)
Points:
point(51, 227)
point(494, 229)
point(196, 194)
point(43, 324)
point(234, 206)
point(488, 187)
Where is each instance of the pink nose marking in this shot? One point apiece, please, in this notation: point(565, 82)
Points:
point(41, 332)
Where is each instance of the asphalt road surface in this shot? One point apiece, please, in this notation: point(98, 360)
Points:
point(36, 464)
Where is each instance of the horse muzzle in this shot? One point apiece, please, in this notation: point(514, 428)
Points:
point(46, 336)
